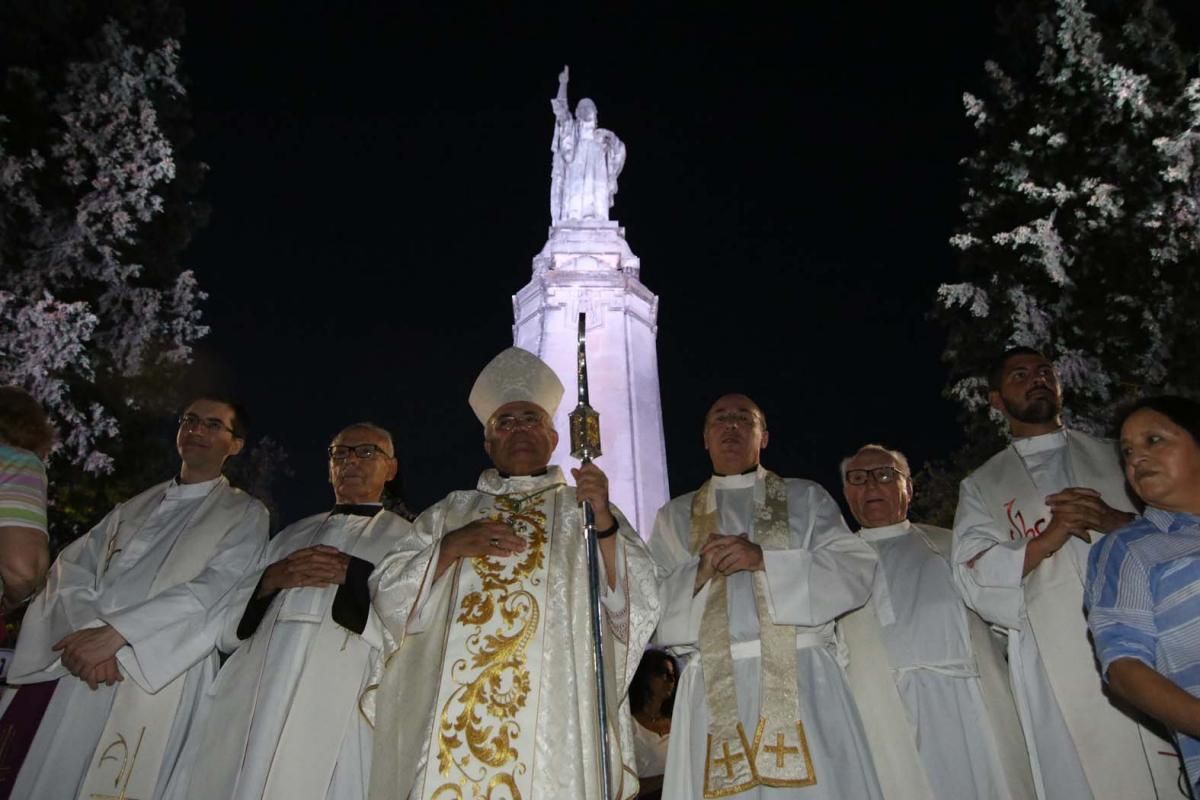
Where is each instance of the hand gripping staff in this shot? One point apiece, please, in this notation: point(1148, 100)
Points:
point(585, 445)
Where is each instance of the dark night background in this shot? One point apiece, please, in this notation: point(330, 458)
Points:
point(379, 181)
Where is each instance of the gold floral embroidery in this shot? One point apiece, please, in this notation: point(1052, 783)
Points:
point(478, 728)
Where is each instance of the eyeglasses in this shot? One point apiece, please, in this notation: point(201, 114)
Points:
point(363, 452)
point(858, 477)
point(190, 422)
point(510, 422)
point(729, 419)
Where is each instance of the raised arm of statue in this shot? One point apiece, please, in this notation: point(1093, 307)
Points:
point(562, 111)
point(561, 145)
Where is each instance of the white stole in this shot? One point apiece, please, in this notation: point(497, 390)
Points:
point(129, 754)
point(890, 736)
point(886, 723)
point(1105, 737)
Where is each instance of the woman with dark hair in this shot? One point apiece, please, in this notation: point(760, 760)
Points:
point(25, 439)
point(651, 701)
point(1144, 580)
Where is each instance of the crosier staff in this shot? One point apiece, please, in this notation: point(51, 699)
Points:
point(585, 445)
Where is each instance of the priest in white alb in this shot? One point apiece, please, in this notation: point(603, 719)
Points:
point(757, 568)
point(929, 679)
point(487, 687)
point(282, 720)
point(1025, 523)
point(124, 625)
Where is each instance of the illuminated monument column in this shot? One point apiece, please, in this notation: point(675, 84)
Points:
point(587, 266)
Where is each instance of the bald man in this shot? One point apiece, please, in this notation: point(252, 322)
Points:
point(757, 568)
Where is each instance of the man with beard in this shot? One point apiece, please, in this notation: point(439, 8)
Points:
point(122, 635)
point(281, 720)
point(487, 684)
point(1025, 522)
point(758, 567)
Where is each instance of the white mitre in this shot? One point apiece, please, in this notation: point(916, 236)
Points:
point(513, 376)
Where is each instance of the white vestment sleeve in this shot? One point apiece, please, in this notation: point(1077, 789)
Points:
point(830, 573)
point(682, 606)
point(229, 615)
point(173, 630)
point(614, 598)
point(65, 605)
point(403, 579)
point(987, 564)
point(372, 633)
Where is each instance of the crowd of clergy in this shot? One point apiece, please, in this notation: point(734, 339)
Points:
point(175, 651)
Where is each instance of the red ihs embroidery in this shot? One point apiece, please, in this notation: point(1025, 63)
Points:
point(1016, 523)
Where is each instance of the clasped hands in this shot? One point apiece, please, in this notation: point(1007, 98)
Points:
point(319, 565)
point(726, 554)
point(1075, 511)
point(90, 654)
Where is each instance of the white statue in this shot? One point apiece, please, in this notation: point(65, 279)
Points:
point(587, 161)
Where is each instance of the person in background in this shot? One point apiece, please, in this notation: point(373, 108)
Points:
point(25, 439)
point(651, 701)
point(1142, 598)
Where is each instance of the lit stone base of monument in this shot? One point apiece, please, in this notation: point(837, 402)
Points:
point(587, 266)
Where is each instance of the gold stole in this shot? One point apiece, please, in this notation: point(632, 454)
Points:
point(778, 755)
point(488, 700)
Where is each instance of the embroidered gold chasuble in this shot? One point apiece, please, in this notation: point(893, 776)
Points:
point(778, 755)
point(509, 713)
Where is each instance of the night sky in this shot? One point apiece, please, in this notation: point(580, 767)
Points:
point(379, 182)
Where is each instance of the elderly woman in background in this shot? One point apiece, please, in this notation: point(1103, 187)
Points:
point(1143, 590)
point(25, 439)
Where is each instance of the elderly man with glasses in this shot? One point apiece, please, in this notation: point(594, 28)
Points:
point(757, 568)
point(488, 687)
point(116, 652)
point(282, 719)
point(929, 680)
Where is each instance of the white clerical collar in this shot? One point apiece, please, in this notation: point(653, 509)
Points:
point(190, 491)
point(1041, 443)
point(492, 482)
point(901, 528)
point(727, 482)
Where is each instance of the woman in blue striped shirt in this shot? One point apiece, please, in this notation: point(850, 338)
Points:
point(1143, 593)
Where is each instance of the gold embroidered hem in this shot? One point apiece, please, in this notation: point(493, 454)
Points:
point(486, 704)
point(765, 764)
point(785, 761)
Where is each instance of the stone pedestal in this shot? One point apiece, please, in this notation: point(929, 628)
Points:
point(587, 266)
